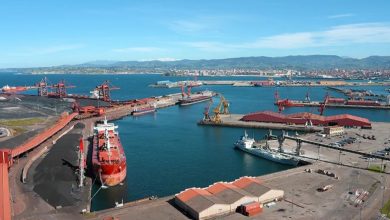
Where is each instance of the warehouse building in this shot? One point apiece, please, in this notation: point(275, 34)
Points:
point(302, 118)
point(200, 204)
point(262, 193)
point(222, 198)
point(333, 131)
point(230, 194)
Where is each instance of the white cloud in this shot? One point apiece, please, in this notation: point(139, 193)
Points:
point(341, 16)
point(162, 59)
point(188, 26)
point(166, 59)
point(335, 36)
point(137, 49)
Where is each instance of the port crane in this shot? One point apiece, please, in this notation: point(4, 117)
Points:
point(222, 108)
point(183, 93)
point(103, 91)
point(278, 102)
point(60, 89)
point(321, 109)
point(43, 87)
point(206, 113)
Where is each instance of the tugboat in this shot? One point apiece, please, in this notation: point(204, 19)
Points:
point(246, 144)
point(108, 156)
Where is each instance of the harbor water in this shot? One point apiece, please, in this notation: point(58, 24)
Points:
point(168, 152)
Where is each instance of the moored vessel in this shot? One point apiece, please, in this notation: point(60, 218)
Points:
point(189, 99)
point(246, 144)
point(108, 156)
point(143, 110)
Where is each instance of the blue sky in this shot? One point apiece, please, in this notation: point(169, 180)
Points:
point(45, 33)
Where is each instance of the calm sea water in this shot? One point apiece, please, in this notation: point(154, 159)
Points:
point(168, 152)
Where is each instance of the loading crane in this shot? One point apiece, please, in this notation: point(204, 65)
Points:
point(103, 91)
point(206, 113)
point(321, 109)
point(184, 93)
point(278, 102)
point(225, 105)
point(43, 87)
point(60, 89)
point(222, 108)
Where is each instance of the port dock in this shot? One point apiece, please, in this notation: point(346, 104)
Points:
point(331, 105)
point(233, 120)
point(347, 170)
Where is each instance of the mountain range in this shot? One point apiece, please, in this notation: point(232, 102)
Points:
point(307, 62)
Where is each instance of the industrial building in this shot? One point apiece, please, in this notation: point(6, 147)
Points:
point(333, 130)
point(304, 118)
point(223, 198)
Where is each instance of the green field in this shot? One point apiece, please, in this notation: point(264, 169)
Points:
point(375, 168)
point(21, 122)
point(386, 209)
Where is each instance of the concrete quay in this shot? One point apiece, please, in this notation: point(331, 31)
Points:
point(297, 83)
point(330, 105)
point(302, 198)
point(233, 120)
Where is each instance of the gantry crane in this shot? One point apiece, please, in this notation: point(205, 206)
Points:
point(60, 89)
point(104, 91)
point(323, 104)
point(222, 108)
point(43, 87)
point(206, 113)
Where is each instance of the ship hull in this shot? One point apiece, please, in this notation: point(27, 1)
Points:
point(110, 175)
point(258, 153)
point(184, 102)
point(143, 112)
point(108, 161)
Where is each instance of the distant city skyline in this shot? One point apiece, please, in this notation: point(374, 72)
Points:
point(48, 33)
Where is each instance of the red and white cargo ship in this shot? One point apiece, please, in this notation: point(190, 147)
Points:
point(108, 156)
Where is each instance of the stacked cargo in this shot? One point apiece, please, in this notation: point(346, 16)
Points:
point(250, 209)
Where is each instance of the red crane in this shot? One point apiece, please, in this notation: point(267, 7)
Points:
point(206, 114)
point(276, 96)
point(43, 87)
point(323, 104)
point(60, 89)
point(183, 93)
point(278, 102)
point(104, 91)
point(188, 91)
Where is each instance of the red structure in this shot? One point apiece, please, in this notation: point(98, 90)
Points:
point(60, 89)
point(363, 102)
point(38, 139)
point(301, 119)
point(43, 87)
point(104, 91)
point(5, 204)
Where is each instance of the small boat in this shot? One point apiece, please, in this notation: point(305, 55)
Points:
point(143, 110)
point(246, 144)
point(118, 205)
